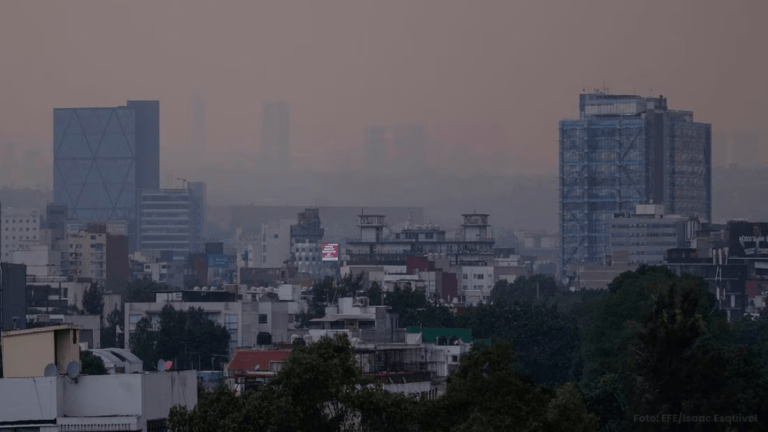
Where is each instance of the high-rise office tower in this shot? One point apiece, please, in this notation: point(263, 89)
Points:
point(102, 156)
point(275, 136)
point(375, 141)
point(409, 143)
point(198, 134)
point(625, 150)
point(173, 219)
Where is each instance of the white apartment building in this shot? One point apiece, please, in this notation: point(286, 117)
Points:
point(475, 284)
point(271, 247)
point(20, 229)
point(172, 219)
point(245, 320)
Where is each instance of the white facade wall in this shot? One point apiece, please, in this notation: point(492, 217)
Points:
point(241, 319)
point(41, 261)
point(476, 283)
point(104, 402)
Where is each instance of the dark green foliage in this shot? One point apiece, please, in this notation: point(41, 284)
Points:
point(113, 334)
point(142, 291)
point(320, 380)
point(91, 364)
point(375, 295)
point(407, 303)
point(654, 343)
point(93, 300)
point(546, 340)
point(524, 289)
point(180, 333)
point(487, 393)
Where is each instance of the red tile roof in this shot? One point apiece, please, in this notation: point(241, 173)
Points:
point(249, 360)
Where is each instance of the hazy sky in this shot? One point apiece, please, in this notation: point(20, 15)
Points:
point(511, 67)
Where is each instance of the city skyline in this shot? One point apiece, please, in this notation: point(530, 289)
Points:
point(420, 75)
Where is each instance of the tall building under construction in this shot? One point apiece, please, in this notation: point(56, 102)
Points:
point(625, 150)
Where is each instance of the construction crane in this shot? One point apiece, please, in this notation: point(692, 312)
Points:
point(183, 181)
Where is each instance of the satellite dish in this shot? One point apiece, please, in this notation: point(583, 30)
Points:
point(168, 365)
point(160, 365)
point(51, 371)
point(73, 369)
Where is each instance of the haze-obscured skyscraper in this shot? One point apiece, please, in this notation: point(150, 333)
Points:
point(409, 142)
point(198, 131)
point(375, 141)
point(102, 157)
point(275, 136)
point(626, 150)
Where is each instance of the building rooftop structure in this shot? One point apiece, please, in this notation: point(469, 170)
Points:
point(377, 244)
point(119, 360)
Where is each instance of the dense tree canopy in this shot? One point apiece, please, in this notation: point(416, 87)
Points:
point(91, 364)
point(182, 336)
point(93, 300)
point(653, 343)
point(142, 291)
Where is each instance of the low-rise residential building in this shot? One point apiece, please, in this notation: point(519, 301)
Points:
point(44, 390)
point(88, 325)
point(262, 321)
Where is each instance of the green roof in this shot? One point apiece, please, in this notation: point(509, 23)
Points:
point(430, 335)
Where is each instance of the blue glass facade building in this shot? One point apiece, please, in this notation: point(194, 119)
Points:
point(102, 157)
point(625, 150)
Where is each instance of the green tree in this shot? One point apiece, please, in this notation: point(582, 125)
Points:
point(142, 291)
point(523, 289)
point(92, 364)
point(546, 341)
point(375, 294)
point(487, 393)
point(144, 344)
point(112, 335)
point(407, 303)
point(93, 300)
point(320, 380)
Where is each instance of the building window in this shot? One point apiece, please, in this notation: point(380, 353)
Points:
point(230, 322)
point(262, 318)
point(455, 359)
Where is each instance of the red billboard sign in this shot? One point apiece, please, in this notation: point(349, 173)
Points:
point(330, 252)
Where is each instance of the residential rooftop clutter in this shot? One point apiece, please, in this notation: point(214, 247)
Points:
point(43, 388)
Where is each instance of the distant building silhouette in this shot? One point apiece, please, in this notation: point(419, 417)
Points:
point(198, 131)
point(275, 136)
point(375, 141)
point(409, 142)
